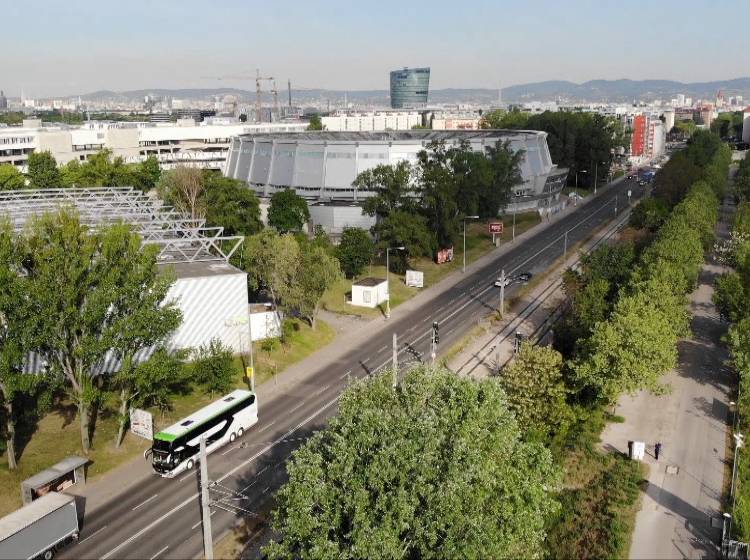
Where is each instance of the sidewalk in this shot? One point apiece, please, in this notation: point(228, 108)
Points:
point(489, 351)
point(109, 485)
point(680, 516)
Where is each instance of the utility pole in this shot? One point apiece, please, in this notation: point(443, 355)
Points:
point(252, 362)
point(616, 197)
point(435, 340)
point(464, 220)
point(514, 224)
point(502, 292)
point(395, 360)
point(565, 246)
point(208, 545)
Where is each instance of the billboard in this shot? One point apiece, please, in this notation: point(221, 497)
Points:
point(415, 278)
point(142, 423)
point(495, 227)
point(444, 255)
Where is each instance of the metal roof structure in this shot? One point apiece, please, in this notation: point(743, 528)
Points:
point(179, 238)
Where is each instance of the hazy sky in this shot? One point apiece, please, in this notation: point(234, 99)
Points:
point(50, 47)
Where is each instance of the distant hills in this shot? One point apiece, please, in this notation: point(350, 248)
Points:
point(613, 91)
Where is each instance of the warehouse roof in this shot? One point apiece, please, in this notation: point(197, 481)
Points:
point(179, 237)
point(395, 135)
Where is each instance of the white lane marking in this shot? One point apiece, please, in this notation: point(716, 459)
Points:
point(185, 477)
point(381, 348)
point(267, 426)
point(144, 503)
point(162, 550)
point(262, 471)
point(346, 374)
point(319, 391)
point(231, 448)
point(266, 489)
point(92, 535)
point(296, 407)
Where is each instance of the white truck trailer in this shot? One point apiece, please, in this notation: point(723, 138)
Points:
point(40, 528)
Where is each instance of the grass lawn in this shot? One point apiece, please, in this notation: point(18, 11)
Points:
point(478, 243)
point(58, 432)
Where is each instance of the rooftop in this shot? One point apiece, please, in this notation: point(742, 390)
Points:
point(369, 282)
point(397, 135)
point(180, 239)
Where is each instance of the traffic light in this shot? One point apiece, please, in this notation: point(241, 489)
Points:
point(436, 332)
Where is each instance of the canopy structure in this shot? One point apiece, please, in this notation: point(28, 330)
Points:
point(180, 238)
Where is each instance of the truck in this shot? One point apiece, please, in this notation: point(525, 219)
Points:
point(39, 529)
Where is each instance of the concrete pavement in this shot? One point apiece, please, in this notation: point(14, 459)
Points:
point(680, 515)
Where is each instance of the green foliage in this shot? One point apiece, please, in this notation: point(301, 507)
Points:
point(742, 182)
point(213, 366)
point(315, 123)
point(231, 205)
point(730, 296)
point(728, 125)
point(649, 214)
point(596, 519)
point(90, 291)
point(536, 392)
point(10, 178)
point(316, 271)
point(43, 172)
point(389, 188)
point(288, 211)
point(433, 469)
point(500, 119)
point(355, 251)
point(184, 188)
point(674, 179)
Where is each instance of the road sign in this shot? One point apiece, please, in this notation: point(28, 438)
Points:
point(495, 227)
point(142, 423)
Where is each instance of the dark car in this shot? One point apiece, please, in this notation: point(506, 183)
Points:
point(524, 277)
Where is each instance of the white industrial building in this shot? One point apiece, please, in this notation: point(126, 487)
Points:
point(369, 292)
point(321, 166)
point(211, 293)
point(367, 122)
point(186, 142)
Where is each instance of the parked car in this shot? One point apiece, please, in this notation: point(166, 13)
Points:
point(524, 277)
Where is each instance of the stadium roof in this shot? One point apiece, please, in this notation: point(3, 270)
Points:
point(179, 238)
point(395, 135)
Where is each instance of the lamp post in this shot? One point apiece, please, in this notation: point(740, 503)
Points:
point(575, 200)
point(388, 279)
point(467, 218)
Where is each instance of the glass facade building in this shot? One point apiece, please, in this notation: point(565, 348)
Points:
point(409, 87)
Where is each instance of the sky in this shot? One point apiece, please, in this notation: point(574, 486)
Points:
point(54, 48)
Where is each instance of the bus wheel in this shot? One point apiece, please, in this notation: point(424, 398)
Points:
point(232, 437)
point(48, 554)
point(240, 432)
point(189, 465)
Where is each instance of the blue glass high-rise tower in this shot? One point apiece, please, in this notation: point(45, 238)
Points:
point(409, 87)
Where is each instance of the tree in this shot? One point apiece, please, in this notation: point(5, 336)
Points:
point(505, 119)
point(288, 211)
point(231, 204)
point(535, 388)
point(355, 251)
point(436, 468)
point(10, 178)
point(316, 272)
point(388, 188)
point(43, 172)
point(183, 188)
point(411, 231)
point(315, 123)
point(271, 262)
point(213, 366)
point(89, 291)
point(649, 214)
point(730, 296)
point(147, 174)
point(149, 383)
point(438, 190)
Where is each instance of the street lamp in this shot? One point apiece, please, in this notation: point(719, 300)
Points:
point(575, 200)
point(467, 218)
point(388, 278)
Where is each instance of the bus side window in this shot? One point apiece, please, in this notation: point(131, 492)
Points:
point(251, 399)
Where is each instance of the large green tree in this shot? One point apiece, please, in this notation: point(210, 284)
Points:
point(89, 291)
point(43, 172)
point(11, 179)
point(230, 204)
point(316, 271)
point(436, 468)
point(183, 187)
point(270, 261)
point(287, 211)
point(355, 251)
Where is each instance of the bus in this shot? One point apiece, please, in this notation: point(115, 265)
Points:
point(175, 449)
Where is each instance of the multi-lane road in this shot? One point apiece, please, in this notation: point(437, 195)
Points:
point(160, 518)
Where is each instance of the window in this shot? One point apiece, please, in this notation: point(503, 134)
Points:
point(229, 399)
point(186, 423)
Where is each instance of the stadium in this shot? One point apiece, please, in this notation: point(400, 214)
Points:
point(321, 166)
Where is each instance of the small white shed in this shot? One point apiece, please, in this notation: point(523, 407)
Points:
point(369, 292)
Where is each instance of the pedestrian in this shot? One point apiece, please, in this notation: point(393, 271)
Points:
point(657, 450)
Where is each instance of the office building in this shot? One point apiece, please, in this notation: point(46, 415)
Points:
point(409, 87)
point(366, 122)
point(3, 101)
point(185, 142)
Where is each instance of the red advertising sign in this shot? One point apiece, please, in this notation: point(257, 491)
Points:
point(444, 255)
point(496, 227)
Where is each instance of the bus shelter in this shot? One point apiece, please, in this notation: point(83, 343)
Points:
point(57, 478)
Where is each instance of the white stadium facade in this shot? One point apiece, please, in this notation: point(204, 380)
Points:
point(321, 166)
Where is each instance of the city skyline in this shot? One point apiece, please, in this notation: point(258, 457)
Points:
point(181, 45)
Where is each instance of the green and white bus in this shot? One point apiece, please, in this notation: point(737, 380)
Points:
point(175, 449)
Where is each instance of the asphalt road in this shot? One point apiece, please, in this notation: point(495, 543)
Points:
point(160, 518)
